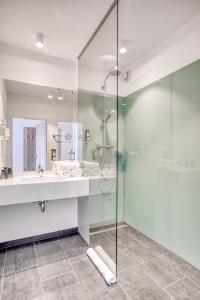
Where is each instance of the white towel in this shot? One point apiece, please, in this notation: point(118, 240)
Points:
point(65, 165)
point(101, 266)
point(65, 174)
point(70, 165)
point(89, 164)
point(91, 172)
point(56, 166)
point(106, 258)
point(77, 172)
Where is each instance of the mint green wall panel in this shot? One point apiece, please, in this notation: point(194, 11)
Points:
point(162, 180)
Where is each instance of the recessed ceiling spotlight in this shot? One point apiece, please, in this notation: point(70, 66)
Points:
point(60, 96)
point(50, 96)
point(123, 50)
point(39, 40)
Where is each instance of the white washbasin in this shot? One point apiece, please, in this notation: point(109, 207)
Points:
point(30, 187)
point(37, 178)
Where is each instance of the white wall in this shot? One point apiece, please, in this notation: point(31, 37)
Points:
point(3, 99)
point(4, 162)
point(26, 66)
point(179, 50)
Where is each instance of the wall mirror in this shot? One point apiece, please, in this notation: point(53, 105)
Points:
point(37, 127)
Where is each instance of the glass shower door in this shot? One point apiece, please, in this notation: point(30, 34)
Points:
point(97, 110)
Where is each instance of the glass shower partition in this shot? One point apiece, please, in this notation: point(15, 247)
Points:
point(97, 110)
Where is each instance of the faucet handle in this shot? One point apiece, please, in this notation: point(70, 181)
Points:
point(40, 168)
point(71, 155)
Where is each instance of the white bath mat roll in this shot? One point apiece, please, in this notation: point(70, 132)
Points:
point(77, 172)
point(109, 277)
point(106, 258)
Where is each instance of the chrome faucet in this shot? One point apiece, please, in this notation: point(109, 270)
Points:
point(40, 170)
point(5, 173)
point(71, 155)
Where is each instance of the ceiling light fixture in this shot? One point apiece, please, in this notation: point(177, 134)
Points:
point(123, 50)
point(50, 96)
point(60, 97)
point(39, 40)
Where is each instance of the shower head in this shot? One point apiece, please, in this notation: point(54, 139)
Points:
point(110, 114)
point(114, 71)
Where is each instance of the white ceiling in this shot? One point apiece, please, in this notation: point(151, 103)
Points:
point(66, 24)
point(143, 24)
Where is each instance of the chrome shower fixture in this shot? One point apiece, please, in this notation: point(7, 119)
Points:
point(114, 71)
point(109, 115)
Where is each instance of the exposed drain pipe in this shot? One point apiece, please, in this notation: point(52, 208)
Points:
point(42, 205)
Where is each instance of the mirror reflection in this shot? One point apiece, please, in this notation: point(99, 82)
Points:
point(37, 127)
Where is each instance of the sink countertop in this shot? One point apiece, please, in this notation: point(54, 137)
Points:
point(49, 177)
point(35, 178)
point(30, 187)
point(27, 187)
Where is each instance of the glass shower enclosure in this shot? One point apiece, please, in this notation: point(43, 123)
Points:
point(97, 110)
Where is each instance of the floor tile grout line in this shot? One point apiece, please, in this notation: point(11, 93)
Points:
point(123, 250)
point(124, 290)
point(147, 274)
point(141, 263)
point(35, 250)
point(82, 288)
point(167, 286)
point(53, 277)
point(159, 256)
point(127, 269)
point(135, 239)
point(63, 248)
point(185, 275)
point(108, 239)
point(71, 264)
point(182, 273)
point(162, 288)
point(138, 264)
point(3, 273)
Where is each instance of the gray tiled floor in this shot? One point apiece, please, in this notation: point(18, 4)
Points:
point(59, 269)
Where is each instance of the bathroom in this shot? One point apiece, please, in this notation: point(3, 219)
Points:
point(99, 149)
